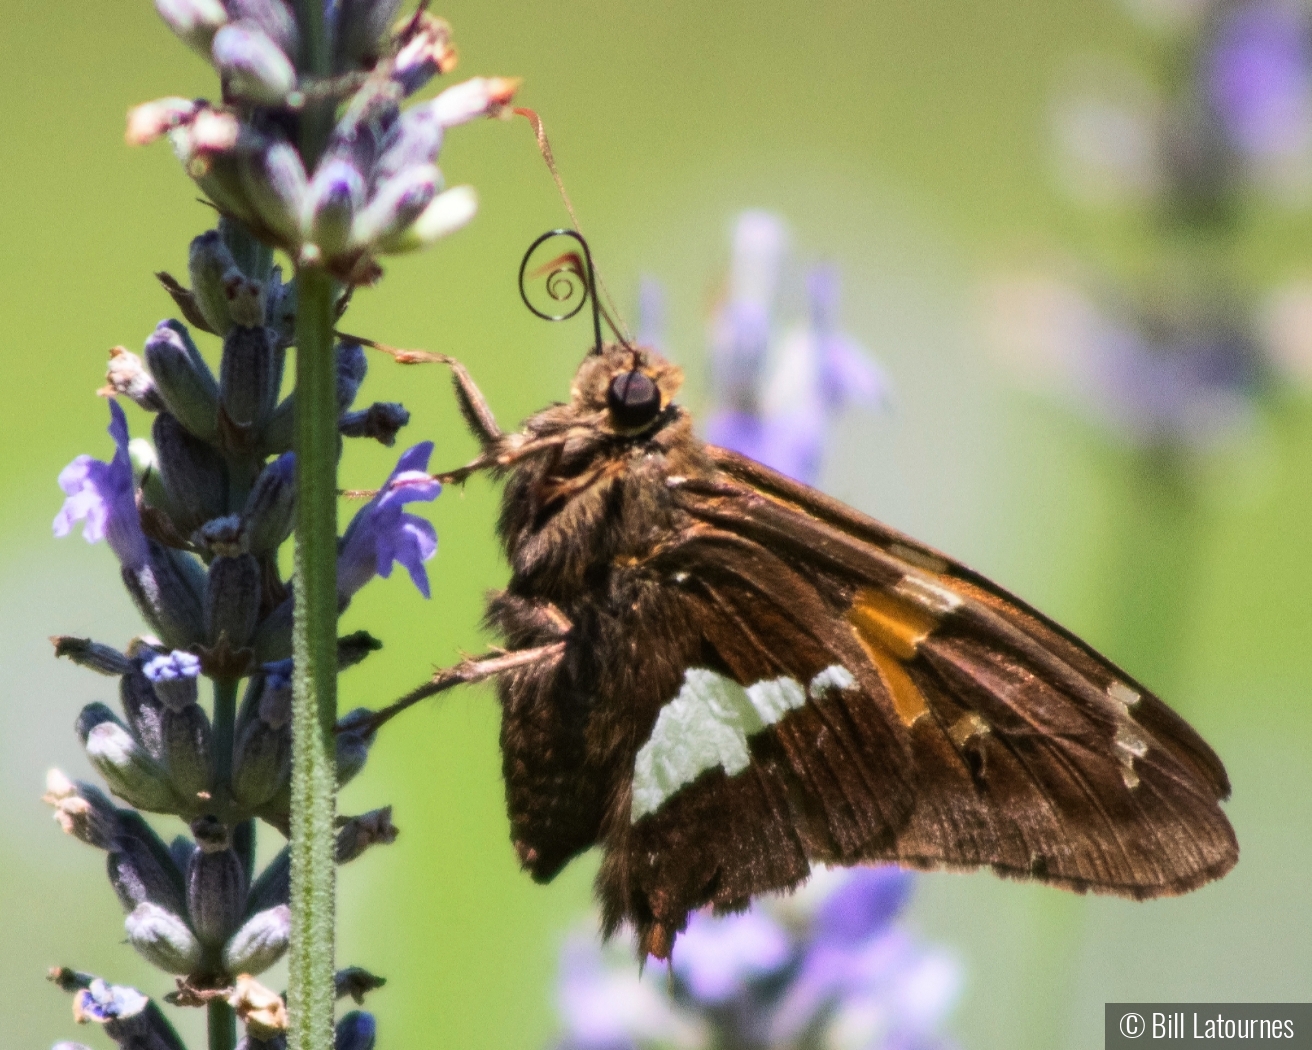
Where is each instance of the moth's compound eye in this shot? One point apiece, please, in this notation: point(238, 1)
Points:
point(633, 399)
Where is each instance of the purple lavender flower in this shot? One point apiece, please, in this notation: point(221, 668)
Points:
point(716, 957)
point(1258, 78)
point(825, 967)
point(821, 372)
point(102, 495)
point(741, 328)
point(1182, 374)
point(607, 1004)
point(783, 422)
point(381, 533)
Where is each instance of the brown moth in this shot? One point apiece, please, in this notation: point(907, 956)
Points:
point(721, 676)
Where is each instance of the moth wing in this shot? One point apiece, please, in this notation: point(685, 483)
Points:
point(1032, 753)
point(780, 748)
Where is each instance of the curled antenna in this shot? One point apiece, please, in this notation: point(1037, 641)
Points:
point(561, 274)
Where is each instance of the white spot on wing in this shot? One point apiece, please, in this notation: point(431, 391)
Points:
point(1123, 694)
point(705, 726)
point(833, 677)
point(1129, 746)
point(932, 596)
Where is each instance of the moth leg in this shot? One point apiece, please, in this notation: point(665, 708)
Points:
point(466, 672)
point(473, 405)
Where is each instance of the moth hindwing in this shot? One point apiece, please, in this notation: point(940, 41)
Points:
point(721, 676)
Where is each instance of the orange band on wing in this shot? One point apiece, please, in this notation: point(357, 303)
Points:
point(889, 630)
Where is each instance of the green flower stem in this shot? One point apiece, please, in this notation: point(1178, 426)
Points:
point(314, 644)
point(314, 650)
point(222, 1023)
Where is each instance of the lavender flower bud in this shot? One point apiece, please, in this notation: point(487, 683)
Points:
point(163, 938)
point(355, 1031)
point(129, 770)
point(335, 194)
point(360, 30)
point(252, 66)
point(250, 375)
point(232, 602)
point(274, 18)
point(130, 1019)
point(167, 591)
point(274, 181)
point(194, 474)
point(222, 293)
point(206, 147)
point(354, 647)
point(180, 851)
point(379, 421)
point(262, 760)
point(187, 753)
point(359, 833)
point(475, 98)
point(356, 982)
point(352, 367)
point(415, 139)
point(427, 52)
point(127, 377)
point(185, 382)
point(194, 21)
point(150, 120)
point(140, 873)
point(271, 507)
point(82, 810)
point(273, 886)
point(448, 212)
point(399, 201)
point(85, 653)
point(216, 883)
point(352, 745)
point(144, 711)
point(173, 676)
point(93, 715)
point(64, 1044)
point(261, 941)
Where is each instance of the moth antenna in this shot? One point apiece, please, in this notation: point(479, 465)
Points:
point(559, 285)
point(608, 309)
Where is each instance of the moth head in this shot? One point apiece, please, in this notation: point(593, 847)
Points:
point(633, 386)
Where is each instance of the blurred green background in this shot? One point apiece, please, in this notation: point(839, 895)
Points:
point(906, 143)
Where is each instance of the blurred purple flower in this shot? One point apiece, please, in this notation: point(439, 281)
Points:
point(821, 372)
point(863, 905)
point(1258, 77)
point(823, 967)
point(1178, 373)
point(381, 533)
point(103, 496)
point(741, 327)
point(606, 1004)
point(716, 957)
point(784, 423)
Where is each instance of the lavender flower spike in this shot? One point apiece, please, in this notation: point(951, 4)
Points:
point(102, 495)
point(381, 533)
